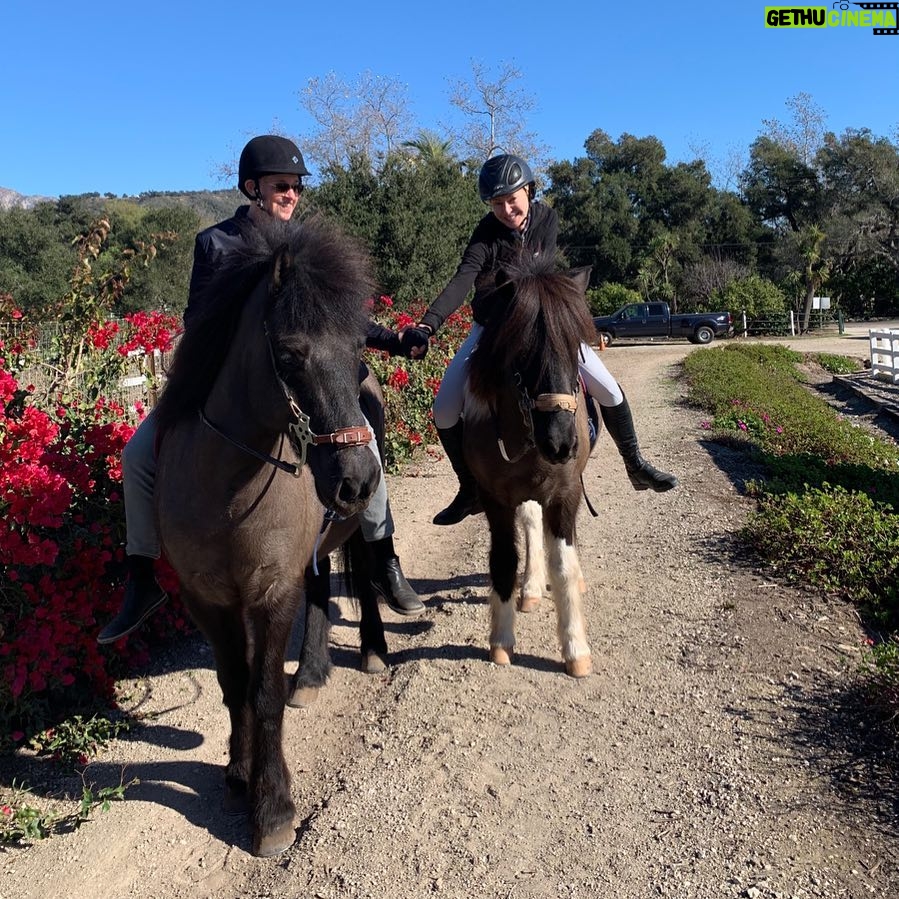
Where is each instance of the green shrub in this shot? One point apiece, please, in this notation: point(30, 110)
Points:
point(758, 297)
point(827, 506)
point(840, 541)
point(837, 365)
point(610, 297)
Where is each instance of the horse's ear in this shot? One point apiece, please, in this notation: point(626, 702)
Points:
point(282, 265)
point(581, 277)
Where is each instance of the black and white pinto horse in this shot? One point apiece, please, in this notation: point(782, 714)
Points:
point(526, 440)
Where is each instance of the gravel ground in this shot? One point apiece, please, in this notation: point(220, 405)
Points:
point(721, 748)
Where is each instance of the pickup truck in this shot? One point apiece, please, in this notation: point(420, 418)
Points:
point(655, 320)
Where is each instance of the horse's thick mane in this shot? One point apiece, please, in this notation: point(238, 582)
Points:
point(538, 314)
point(324, 288)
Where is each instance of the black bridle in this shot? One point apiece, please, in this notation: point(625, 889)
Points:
point(299, 430)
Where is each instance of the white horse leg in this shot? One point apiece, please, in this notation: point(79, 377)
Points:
point(581, 583)
point(502, 629)
point(564, 571)
point(529, 522)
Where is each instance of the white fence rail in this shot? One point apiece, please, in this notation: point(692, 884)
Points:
point(885, 354)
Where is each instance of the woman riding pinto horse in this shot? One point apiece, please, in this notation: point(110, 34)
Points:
point(516, 222)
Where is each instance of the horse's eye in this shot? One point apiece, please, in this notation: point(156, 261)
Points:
point(295, 363)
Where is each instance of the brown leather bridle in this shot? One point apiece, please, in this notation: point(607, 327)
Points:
point(301, 434)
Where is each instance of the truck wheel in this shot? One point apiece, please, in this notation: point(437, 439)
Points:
point(605, 338)
point(703, 334)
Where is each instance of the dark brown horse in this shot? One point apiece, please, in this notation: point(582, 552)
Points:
point(261, 428)
point(526, 440)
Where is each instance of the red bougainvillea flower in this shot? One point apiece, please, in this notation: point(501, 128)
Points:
point(398, 379)
point(150, 331)
point(100, 335)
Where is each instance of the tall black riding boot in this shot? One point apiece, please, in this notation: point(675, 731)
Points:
point(466, 501)
point(620, 425)
point(143, 596)
point(390, 582)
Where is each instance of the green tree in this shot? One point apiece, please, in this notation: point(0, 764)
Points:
point(632, 217)
point(427, 213)
point(861, 174)
point(351, 195)
point(35, 260)
point(415, 216)
point(164, 284)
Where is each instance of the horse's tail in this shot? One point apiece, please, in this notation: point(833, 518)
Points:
point(358, 569)
point(354, 565)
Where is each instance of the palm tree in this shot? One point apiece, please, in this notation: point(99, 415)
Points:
point(815, 267)
point(431, 148)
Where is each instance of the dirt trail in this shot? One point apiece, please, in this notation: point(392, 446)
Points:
point(719, 750)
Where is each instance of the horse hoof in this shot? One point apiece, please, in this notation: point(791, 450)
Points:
point(303, 697)
point(372, 663)
point(499, 655)
point(276, 842)
point(579, 667)
point(528, 603)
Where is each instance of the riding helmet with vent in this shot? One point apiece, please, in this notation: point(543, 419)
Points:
point(503, 175)
point(269, 154)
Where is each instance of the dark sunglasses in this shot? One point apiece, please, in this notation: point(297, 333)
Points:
point(281, 187)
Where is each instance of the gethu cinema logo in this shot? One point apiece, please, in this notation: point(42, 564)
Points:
point(879, 16)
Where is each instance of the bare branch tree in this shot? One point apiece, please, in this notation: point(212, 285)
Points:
point(368, 117)
point(710, 275)
point(805, 135)
point(726, 170)
point(494, 112)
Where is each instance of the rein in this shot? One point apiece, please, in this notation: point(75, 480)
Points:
point(301, 434)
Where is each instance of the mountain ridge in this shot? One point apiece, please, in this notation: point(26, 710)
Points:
point(210, 205)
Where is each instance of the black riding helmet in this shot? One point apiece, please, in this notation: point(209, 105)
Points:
point(503, 175)
point(269, 154)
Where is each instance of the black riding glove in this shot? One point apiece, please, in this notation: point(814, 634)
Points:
point(414, 339)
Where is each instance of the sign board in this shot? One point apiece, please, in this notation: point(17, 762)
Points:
point(820, 302)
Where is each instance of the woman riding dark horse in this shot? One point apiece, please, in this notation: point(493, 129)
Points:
point(270, 173)
point(526, 442)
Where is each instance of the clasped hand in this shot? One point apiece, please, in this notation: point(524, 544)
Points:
point(413, 342)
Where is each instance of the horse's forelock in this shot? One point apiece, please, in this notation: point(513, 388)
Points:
point(547, 317)
point(329, 283)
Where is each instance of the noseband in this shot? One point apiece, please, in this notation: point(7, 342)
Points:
point(543, 402)
point(301, 434)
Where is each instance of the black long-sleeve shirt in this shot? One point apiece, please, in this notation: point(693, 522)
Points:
point(213, 244)
point(490, 245)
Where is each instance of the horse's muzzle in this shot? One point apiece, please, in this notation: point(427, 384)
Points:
point(348, 478)
point(556, 438)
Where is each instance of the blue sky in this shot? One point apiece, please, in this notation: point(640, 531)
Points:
point(126, 98)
